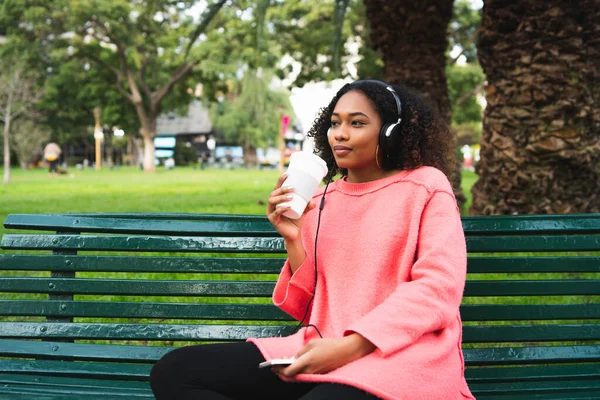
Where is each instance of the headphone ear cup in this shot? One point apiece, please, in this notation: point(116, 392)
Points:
point(387, 137)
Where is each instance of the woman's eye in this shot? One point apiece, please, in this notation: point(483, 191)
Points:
point(334, 123)
point(357, 123)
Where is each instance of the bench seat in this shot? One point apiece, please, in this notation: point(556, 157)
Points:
point(88, 302)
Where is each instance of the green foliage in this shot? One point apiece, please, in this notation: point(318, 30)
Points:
point(27, 139)
point(185, 154)
point(370, 64)
point(73, 89)
point(306, 32)
point(463, 80)
point(463, 28)
point(253, 115)
point(468, 133)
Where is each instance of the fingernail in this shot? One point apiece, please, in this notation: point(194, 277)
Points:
point(289, 188)
point(289, 196)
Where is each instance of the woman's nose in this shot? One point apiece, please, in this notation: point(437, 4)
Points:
point(339, 133)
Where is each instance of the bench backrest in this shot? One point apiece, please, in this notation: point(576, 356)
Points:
point(137, 279)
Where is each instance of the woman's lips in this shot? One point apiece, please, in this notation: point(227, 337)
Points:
point(341, 150)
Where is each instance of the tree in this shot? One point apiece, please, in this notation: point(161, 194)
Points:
point(540, 151)
point(27, 139)
point(252, 115)
point(18, 95)
point(73, 89)
point(148, 45)
point(411, 37)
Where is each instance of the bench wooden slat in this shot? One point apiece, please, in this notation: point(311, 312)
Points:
point(134, 287)
point(218, 225)
point(530, 333)
point(519, 312)
point(183, 244)
point(24, 394)
point(525, 373)
point(533, 264)
point(265, 265)
point(60, 382)
point(133, 354)
point(498, 244)
point(96, 309)
point(79, 351)
point(83, 369)
point(202, 332)
point(131, 331)
point(531, 355)
point(172, 216)
point(555, 386)
point(561, 395)
point(27, 262)
point(225, 311)
point(493, 225)
point(138, 287)
point(531, 224)
point(76, 392)
point(549, 287)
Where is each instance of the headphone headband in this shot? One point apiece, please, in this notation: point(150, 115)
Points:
point(389, 88)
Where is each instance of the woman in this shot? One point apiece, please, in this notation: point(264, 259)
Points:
point(377, 270)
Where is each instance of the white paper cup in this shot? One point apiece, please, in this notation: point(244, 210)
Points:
point(305, 173)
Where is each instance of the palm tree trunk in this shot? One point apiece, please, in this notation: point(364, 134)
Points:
point(540, 149)
point(412, 39)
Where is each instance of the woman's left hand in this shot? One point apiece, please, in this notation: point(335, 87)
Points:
point(321, 356)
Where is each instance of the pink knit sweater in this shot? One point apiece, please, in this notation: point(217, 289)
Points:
point(391, 267)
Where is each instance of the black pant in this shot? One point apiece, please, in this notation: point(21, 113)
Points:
point(230, 371)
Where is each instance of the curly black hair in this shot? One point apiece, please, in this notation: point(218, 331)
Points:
point(422, 138)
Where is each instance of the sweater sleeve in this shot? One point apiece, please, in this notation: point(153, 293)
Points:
point(293, 293)
point(431, 299)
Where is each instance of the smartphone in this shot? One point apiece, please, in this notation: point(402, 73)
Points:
point(276, 361)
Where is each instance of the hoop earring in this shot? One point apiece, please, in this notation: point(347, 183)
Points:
point(377, 157)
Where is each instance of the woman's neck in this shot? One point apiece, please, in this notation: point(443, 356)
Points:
point(368, 176)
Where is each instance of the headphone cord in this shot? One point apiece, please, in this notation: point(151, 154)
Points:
point(321, 205)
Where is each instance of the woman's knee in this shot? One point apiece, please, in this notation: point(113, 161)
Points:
point(166, 371)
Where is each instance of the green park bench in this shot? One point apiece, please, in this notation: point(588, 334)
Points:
point(88, 302)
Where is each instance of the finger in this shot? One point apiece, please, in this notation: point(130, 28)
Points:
point(282, 190)
point(294, 368)
point(278, 369)
point(276, 214)
point(281, 179)
point(283, 198)
point(278, 196)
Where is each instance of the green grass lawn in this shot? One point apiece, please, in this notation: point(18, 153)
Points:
point(132, 190)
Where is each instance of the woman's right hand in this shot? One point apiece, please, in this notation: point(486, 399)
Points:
point(288, 228)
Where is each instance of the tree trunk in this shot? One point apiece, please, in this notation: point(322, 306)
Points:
point(540, 149)
point(412, 38)
point(6, 146)
point(147, 130)
point(148, 154)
